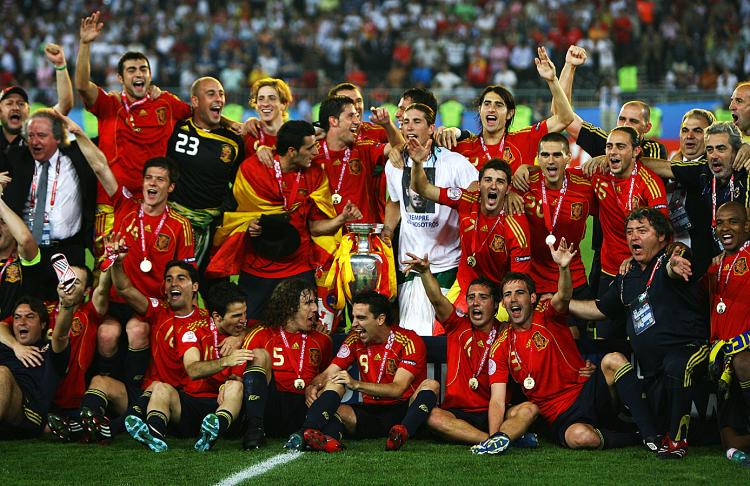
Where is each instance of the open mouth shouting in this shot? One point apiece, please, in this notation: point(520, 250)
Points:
point(174, 295)
point(215, 110)
point(515, 312)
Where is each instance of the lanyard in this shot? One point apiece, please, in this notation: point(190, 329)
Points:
point(650, 279)
point(293, 193)
point(729, 271)
point(34, 183)
point(713, 197)
point(344, 163)
point(388, 346)
point(487, 346)
point(215, 332)
point(129, 107)
point(158, 227)
point(487, 152)
point(474, 247)
point(551, 222)
point(301, 361)
point(261, 136)
point(630, 193)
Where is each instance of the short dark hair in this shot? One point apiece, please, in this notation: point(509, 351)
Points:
point(635, 139)
point(342, 87)
point(163, 163)
point(497, 164)
point(222, 295)
point(89, 275)
point(520, 276)
point(505, 95)
point(555, 137)
point(656, 218)
point(332, 106)
point(192, 272)
point(131, 56)
point(292, 135)
point(36, 304)
point(285, 301)
point(377, 304)
point(421, 95)
point(492, 286)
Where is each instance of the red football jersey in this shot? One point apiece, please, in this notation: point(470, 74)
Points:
point(519, 147)
point(372, 132)
point(82, 344)
point(129, 143)
point(499, 244)
point(302, 206)
point(733, 293)
point(407, 351)
point(198, 335)
point(354, 181)
point(466, 347)
point(577, 202)
point(166, 362)
point(174, 242)
point(252, 143)
point(285, 363)
point(548, 354)
point(648, 190)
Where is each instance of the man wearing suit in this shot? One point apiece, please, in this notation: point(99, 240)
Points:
point(53, 189)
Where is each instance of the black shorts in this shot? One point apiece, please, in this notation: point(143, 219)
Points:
point(593, 406)
point(285, 412)
point(375, 421)
point(478, 420)
point(732, 411)
point(193, 411)
point(31, 424)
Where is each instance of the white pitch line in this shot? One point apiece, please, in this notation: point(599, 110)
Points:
point(260, 468)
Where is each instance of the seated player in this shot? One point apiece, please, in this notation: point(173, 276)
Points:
point(26, 392)
point(391, 362)
point(537, 350)
point(463, 415)
point(288, 353)
point(188, 411)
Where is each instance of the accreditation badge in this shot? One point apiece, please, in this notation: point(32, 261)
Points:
point(641, 313)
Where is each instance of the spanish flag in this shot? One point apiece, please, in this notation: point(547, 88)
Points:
point(257, 192)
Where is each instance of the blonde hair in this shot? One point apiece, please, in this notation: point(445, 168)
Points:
point(285, 94)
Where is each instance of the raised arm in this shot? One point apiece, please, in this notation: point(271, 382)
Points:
point(380, 116)
point(443, 307)
point(94, 156)
point(27, 246)
point(419, 154)
point(56, 56)
point(90, 29)
point(60, 335)
point(100, 297)
point(562, 112)
point(576, 56)
point(563, 256)
point(124, 286)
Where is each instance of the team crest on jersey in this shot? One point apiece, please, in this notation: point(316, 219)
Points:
point(314, 356)
point(390, 366)
point(508, 156)
point(344, 351)
point(226, 153)
point(740, 268)
point(13, 273)
point(355, 166)
point(576, 211)
point(161, 116)
point(76, 327)
point(498, 243)
point(540, 342)
point(162, 242)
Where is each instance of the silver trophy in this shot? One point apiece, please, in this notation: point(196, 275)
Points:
point(365, 264)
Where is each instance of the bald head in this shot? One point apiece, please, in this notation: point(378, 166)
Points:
point(636, 114)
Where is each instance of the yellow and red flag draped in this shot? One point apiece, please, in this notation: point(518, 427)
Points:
point(257, 192)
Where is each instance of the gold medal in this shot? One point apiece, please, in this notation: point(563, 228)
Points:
point(721, 307)
point(471, 260)
point(145, 265)
point(299, 384)
point(336, 198)
point(473, 383)
point(529, 383)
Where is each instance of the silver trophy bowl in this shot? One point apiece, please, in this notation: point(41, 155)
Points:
point(365, 264)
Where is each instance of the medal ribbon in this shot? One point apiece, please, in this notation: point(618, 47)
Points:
point(344, 163)
point(388, 346)
point(632, 186)
point(487, 152)
point(295, 363)
point(551, 222)
point(34, 183)
point(518, 356)
point(713, 197)
point(215, 332)
point(156, 233)
point(295, 187)
point(129, 107)
point(488, 345)
point(474, 247)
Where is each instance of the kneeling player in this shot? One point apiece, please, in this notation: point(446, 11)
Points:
point(191, 410)
point(391, 360)
point(288, 353)
point(463, 416)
